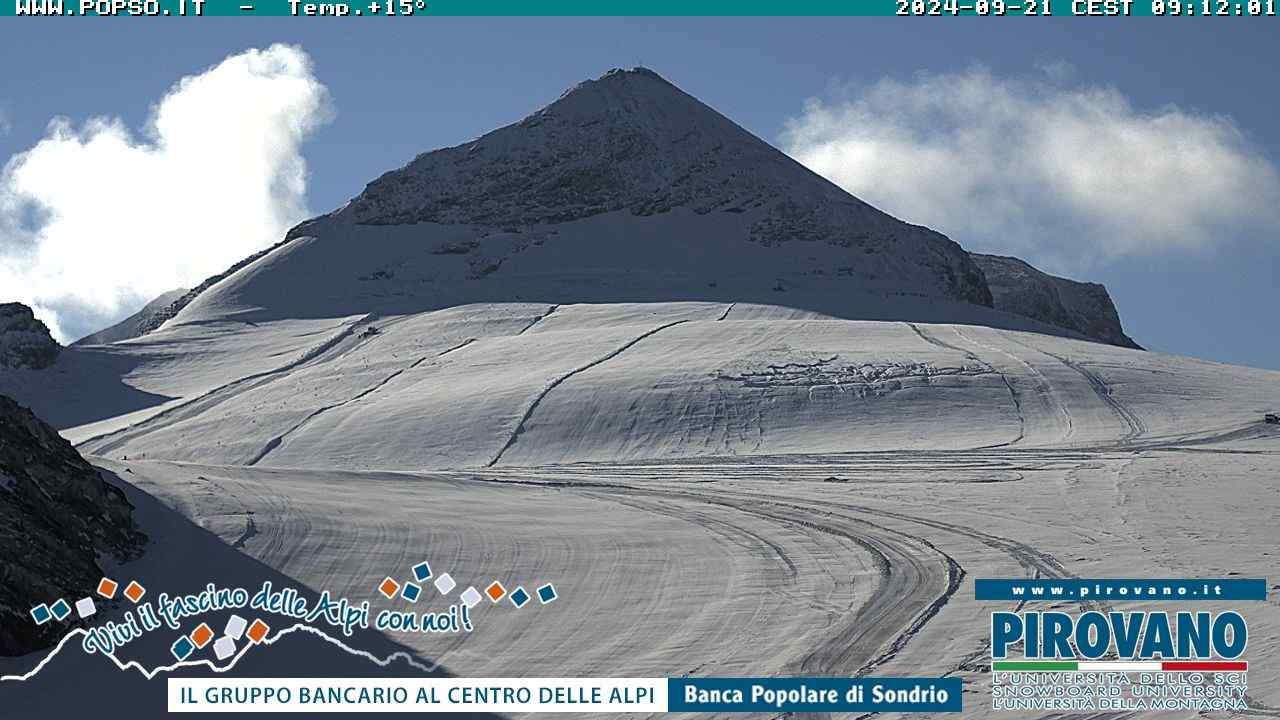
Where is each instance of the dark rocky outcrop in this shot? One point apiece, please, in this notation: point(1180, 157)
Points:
point(25, 342)
point(57, 515)
point(1086, 308)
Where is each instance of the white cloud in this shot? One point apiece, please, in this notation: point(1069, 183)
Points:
point(95, 221)
point(1069, 175)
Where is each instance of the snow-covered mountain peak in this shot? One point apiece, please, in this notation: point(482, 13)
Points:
point(632, 144)
point(624, 189)
point(638, 83)
point(628, 140)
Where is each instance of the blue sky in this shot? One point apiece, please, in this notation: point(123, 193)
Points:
point(403, 86)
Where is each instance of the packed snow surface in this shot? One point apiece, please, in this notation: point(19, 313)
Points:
point(530, 384)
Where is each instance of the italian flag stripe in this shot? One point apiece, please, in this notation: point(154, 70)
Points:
point(1119, 665)
point(1035, 665)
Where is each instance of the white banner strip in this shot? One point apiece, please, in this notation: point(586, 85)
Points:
point(1118, 666)
point(414, 695)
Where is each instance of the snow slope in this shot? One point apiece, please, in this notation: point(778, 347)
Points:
point(623, 275)
point(530, 384)
point(823, 565)
point(147, 318)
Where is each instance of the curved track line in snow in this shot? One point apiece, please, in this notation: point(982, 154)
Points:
point(250, 530)
point(1013, 393)
point(537, 400)
point(902, 576)
point(459, 346)
point(211, 665)
point(276, 441)
point(1044, 388)
point(1017, 407)
point(540, 318)
point(898, 584)
point(891, 596)
point(1037, 562)
point(916, 577)
point(312, 354)
point(900, 557)
point(1136, 426)
point(929, 338)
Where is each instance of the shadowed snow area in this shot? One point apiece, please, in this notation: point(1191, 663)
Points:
point(186, 553)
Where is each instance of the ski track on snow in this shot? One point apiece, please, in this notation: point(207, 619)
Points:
point(537, 400)
point(279, 439)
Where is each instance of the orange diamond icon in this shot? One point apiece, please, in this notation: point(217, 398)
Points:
point(107, 587)
point(495, 591)
point(135, 591)
point(389, 588)
point(258, 630)
point(202, 635)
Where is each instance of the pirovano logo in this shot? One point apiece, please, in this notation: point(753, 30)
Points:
point(1103, 658)
point(1093, 635)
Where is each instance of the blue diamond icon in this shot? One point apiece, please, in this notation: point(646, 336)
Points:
point(40, 614)
point(411, 592)
point(60, 609)
point(547, 593)
point(422, 572)
point(182, 648)
point(519, 597)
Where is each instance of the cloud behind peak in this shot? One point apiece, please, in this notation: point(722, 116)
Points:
point(1070, 174)
point(95, 220)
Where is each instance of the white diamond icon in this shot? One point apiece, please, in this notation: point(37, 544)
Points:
point(470, 597)
point(224, 648)
point(235, 627)
point(445, 583)
point(85, 607)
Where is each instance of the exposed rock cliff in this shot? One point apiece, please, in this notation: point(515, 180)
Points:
point(25, 342)
point(1019, 288)
point(56, 516)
